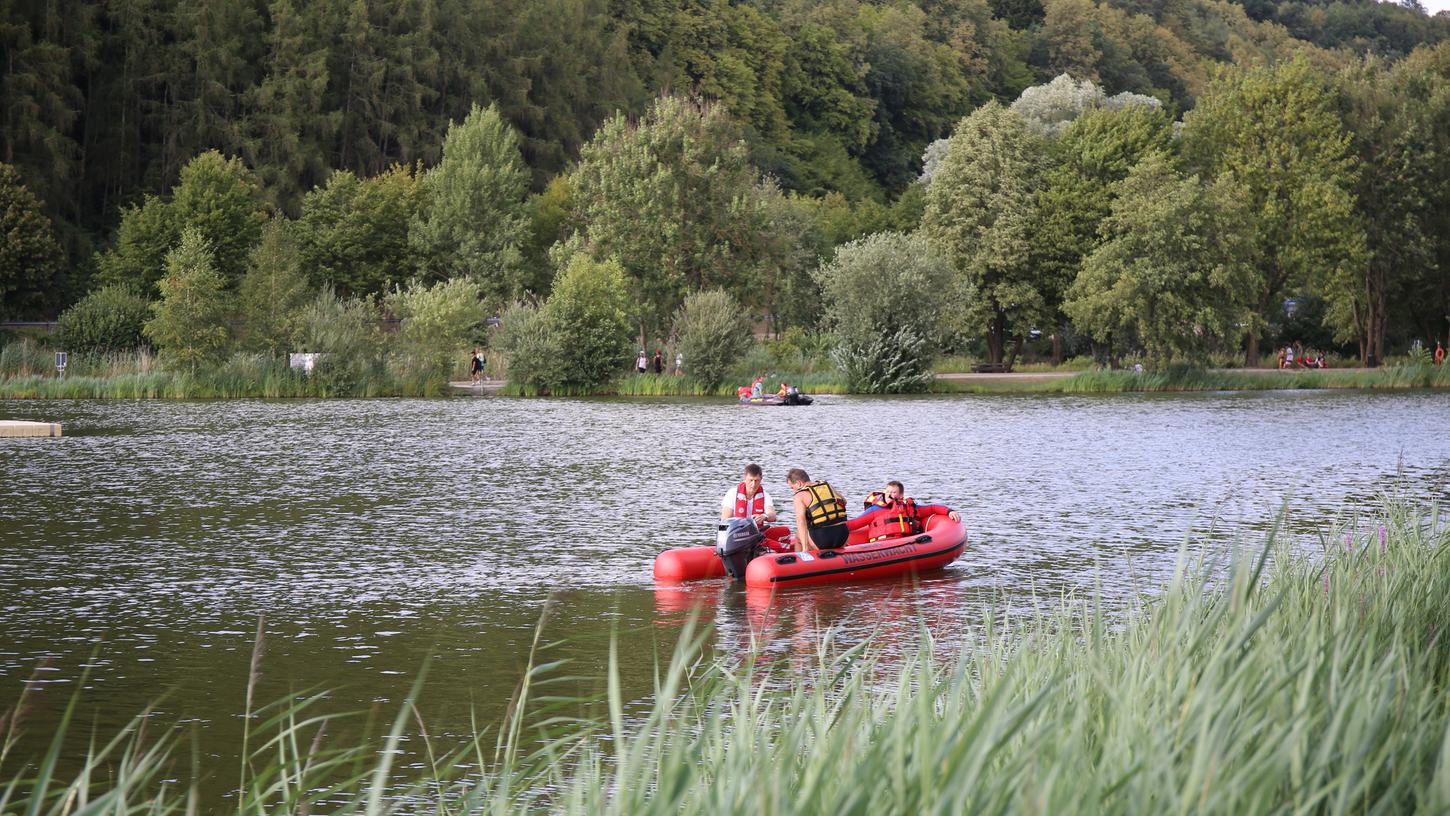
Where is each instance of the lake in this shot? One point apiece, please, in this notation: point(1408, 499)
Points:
point(140, 551)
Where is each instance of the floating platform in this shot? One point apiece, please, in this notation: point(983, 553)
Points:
point(16, 427)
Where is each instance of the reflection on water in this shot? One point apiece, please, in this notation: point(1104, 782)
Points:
point(373, 534)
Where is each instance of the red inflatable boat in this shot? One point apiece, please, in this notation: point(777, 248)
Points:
point(941, 543)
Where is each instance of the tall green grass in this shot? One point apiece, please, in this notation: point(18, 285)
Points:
point(1188, 379)
point(27, 373)
point(1285, 682)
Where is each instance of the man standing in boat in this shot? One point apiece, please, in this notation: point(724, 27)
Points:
point(820, 513)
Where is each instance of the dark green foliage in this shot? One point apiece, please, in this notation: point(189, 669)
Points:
point(31, 262)
point(891, 364)
point(217, 196)
point(274, 292)
point(109, 319)
point(353, 233)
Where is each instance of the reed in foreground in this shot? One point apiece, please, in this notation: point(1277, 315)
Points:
point(1282, 681)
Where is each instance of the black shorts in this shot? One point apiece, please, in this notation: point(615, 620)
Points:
point(830, 538)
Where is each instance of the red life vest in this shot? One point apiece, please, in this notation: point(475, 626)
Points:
point(756, 505)
point(894, 520)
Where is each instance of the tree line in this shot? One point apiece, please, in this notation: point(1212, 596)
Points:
point(1175, 219)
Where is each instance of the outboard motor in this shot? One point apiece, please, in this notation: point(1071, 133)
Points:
point(737, 543)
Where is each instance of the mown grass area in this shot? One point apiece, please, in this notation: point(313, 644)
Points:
point(1112, 382)
point(1275, 681)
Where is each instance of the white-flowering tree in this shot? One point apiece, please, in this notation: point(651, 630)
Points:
point(1050, 108)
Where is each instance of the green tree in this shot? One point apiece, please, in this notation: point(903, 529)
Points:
point(274, 292)
point(216, 196)
point(1394, 144)
point(189, 326)
point(1175, 273)
point(588, 315)
point(344, 333)
point(353, 233)
point(979, 211)
point(1274, 133)
point(713, 332)
point(476, 223)
point(109, 319)
point(31, 262)
point(676, 201)
point(887, 285)
point(438, 320)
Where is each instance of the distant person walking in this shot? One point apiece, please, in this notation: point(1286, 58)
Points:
point(476, 371)
point(1439, 353)
point(679, 362)
point(659, 361)
point(641, 363)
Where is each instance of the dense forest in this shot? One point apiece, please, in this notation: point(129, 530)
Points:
point(127, 121)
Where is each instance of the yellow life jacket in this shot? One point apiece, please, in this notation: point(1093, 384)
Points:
point(825, 507)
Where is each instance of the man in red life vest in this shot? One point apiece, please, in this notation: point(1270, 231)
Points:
point(748, 499)
point(890, 514)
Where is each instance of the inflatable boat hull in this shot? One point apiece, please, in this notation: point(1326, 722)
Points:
point(942, 543)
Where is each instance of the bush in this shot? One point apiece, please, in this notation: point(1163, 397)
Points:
point(344, 333)
point(887, 365)
point(713, 334)
point(110, 319)
point(527, 346)
point(588, 317)
point(438, 321)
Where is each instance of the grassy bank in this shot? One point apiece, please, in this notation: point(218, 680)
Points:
point(27, 372)
point(1292, 682)
point(1112, 382)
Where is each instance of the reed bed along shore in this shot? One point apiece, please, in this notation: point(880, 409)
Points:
point(1274, 681)
point(1401, 377)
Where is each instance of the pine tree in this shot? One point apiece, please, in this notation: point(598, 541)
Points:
point(189, 326)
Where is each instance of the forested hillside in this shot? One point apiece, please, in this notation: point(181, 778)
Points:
point(335, 114)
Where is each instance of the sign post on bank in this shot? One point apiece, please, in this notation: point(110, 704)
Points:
point(61, 358)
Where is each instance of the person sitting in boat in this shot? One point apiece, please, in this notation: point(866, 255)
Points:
point(890, 514)
point(820, 513)
point(784, 390)
point(757, 387)
point(748, 499)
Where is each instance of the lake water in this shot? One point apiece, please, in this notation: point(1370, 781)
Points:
point(143, 547)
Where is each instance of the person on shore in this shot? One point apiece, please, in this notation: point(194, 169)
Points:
point(820, 513)
point(679, 362)
point(1281, 359)
point(641, 363)
point(891, 514)
point(659, 361)
point(1439, 353)
point(476, 366)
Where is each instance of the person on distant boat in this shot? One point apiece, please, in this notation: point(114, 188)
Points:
point(820, 513)
point(890, 514)
point(757, 387)
point(783, 391)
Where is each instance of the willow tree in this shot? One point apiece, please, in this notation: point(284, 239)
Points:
point(1274, 132)
point(979, 212)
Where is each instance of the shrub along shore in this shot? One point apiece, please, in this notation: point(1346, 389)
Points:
point(1289, 681)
